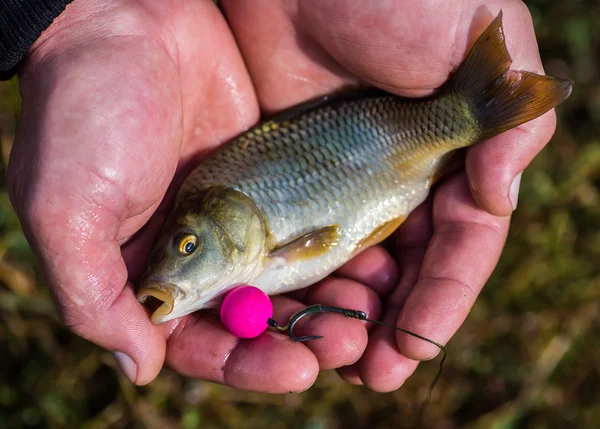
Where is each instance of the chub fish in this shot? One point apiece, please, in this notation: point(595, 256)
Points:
point(292, 199)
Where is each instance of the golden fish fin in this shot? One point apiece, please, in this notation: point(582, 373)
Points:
point(310, 245)
point(501, 98)
point(379, 234)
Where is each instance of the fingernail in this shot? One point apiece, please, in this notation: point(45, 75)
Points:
point(127, 366)
point(434, 355)
point(514, 190)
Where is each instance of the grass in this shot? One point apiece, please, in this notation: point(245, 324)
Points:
point(527, 357)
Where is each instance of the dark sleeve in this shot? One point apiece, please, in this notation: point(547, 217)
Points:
point(21, 23)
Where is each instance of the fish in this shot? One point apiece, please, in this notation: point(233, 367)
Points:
point(287, 202)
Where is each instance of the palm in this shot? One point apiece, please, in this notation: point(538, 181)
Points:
point(183, 98)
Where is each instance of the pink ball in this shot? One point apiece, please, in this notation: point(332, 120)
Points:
point(245, 311)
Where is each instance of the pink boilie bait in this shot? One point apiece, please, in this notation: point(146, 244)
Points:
point(245, 311)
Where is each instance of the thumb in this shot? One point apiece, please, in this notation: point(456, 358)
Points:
point(88, 281)
point(78, 185)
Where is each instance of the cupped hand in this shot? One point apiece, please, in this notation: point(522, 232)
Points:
point(120, 98)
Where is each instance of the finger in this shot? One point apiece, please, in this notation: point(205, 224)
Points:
point(344, 339)
point(286, 65)
point(284, 307)
point(94, 299)
point(218, 95)
point(201, 348)
point(382, 368)
point(495, 167)
point(401, 46)
point(410, 243)
point(463, 251)
point(350, 374)
point(374, 267)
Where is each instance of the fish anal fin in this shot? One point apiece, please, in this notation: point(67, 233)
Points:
point(380, 233)
point(310, 245)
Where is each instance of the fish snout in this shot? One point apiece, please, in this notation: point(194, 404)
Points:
point(159, 297)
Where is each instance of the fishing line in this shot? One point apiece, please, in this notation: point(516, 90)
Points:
point(358, 315)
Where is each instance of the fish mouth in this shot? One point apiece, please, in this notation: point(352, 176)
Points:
point(159, 297)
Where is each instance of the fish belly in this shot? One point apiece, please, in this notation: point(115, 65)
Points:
point(282, 275)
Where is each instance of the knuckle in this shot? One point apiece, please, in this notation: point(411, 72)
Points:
point(75, 322)
point(15, 182)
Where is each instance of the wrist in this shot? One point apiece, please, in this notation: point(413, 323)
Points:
point(23, 21)
point(90, 21)
point(76, 11)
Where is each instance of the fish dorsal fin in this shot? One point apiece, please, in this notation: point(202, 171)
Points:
point(310, 245)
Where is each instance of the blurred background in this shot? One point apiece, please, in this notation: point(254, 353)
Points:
point(527, 357)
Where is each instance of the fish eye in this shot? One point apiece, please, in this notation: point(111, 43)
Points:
point(186, 244)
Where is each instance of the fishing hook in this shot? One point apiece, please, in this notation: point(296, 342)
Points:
point(352, 314)
point(314, 309)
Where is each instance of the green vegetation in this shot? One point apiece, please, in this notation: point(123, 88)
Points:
point(527, 357)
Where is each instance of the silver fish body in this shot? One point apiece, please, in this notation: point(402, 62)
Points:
point(357, 162)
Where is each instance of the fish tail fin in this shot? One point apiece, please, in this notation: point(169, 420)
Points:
point(501, 98)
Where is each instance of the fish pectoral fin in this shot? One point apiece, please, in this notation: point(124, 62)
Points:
point(379, 234)
point(310, 245)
